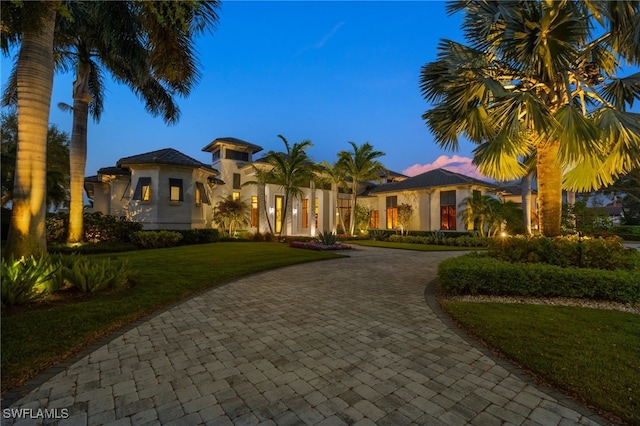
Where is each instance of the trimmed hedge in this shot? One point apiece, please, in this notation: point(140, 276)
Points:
point(475, 274)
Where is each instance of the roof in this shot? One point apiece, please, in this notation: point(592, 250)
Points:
point(515, 189)
point(165, 156)
point(114, 171)
point(391, 174)
point(232, 141)
point(430, 179)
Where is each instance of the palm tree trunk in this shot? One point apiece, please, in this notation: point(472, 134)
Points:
point(283, 218)
point(78, 152)
point(354, 199)
point(526, 202)
point(262, 198)
point(549, 189)
point(27, 235)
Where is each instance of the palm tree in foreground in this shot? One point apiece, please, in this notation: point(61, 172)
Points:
point(336, 175)
point(360, 165)
point(538, 81)
point(290, 170)
point(30, 24)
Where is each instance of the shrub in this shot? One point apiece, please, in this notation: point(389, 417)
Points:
point(97, 227)
point(156, 239)
point(56, 228)
point(91, 248)
point(199, 236)
point(596, 253)
point(379, 234)
point(627, 232)
point(26, 279)
point(476, 274)
point(461, 241)
point(327, 238)
point(91, 276)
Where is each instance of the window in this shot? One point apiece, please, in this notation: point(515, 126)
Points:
point(374, 219)
point(143, 189)
point(235, 196)
point(216, 155)
point(236, 181)
point(236, 155)
point(175, 190)
point(448, 210)
point(305, 213)
point(279, 207)
point(392, 212)
point(254, 211)
point(201, 194)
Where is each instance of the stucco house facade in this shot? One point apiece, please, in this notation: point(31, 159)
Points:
point(167, 189)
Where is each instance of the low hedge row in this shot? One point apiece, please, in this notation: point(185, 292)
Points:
point(476, 274)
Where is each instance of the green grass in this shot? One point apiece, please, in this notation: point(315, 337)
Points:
point(34, 338)
point(591, 353)
point(412, 246)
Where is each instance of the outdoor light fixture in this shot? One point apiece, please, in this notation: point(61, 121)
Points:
point(272, 210)
point(295, 211)
point(503, 234)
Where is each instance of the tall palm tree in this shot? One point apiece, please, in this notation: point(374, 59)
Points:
point(290, 170)
point(263, 177)
point(111, 36)
point(336, 175)
point(30, 24)
point(360, 165)
point(538, 81)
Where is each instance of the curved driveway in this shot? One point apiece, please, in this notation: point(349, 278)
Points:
point(345, 341)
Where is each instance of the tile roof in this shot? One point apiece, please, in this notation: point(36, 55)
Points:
point(233, 141)
point(430, 179)
point(165, 156)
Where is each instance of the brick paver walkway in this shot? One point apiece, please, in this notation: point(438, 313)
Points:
point(346, 341)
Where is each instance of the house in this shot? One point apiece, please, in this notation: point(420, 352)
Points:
point(163, 189)
point(166, 189)
point(434, 195)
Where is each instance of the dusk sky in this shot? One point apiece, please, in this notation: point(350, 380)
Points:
point(331, 72)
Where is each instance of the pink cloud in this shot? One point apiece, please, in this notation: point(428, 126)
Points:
point(456, 163)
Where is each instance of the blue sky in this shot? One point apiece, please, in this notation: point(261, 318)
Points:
point(331, 72)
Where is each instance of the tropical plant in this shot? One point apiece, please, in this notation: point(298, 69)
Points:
point(30, 25)
point(89, 276)
point(26, 279)
point(263, 177)
point(360, 165)
point(479, 211)
point(146, 45)
point(405, 213)
point(537, 82)
point(230, 214)
point(290, 170)
point(335, 174)
point(327, 238)
point(57, 161)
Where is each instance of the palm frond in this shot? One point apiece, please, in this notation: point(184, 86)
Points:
point(622, 92)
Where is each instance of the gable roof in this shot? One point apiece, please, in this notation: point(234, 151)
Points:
point(232, 141)
point(430, 179)
point(165, 156)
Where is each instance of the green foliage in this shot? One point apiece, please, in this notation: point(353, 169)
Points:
point(26, 279)
point(90, 276)
point(461, 241)
point(229, 214)
point(97, 227)
point(156, 239)
point(476, 274)
point(379, 234)
point(627, 232)
point(596, 253)
point(91, 248)
point(327, 238)
point(588, 220)
point(405, 213)
point(199, 236)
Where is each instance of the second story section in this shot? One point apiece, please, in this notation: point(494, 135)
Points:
point(229, 156)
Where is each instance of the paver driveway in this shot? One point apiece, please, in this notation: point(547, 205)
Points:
point(346, 341)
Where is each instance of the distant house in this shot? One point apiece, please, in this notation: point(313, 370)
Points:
point(434, 195)
point(166, 189)
point(163, 189)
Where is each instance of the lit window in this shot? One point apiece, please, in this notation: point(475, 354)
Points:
point(236, 196)
point(448, 210)
point(392, 212)
point(305, 213)
point(175, 190)
point(201, 194)
point(143, 189)
point(374, 219)
point(279, 208)
point(254, 211)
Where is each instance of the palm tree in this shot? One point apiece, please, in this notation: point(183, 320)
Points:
point(477, 210)
point(31, 24)
point(57, 161)
point(360, 165)
point(111, 36)
point(290, 170)
point(335, 175)
point(263, 177)
point(538, 81)
point(230, 214)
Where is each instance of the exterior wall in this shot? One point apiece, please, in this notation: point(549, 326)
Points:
point(145, 211)
point(101, 197)
point(120, 196)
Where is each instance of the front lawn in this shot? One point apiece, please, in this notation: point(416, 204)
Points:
point(38, 335)
point(589, 353)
